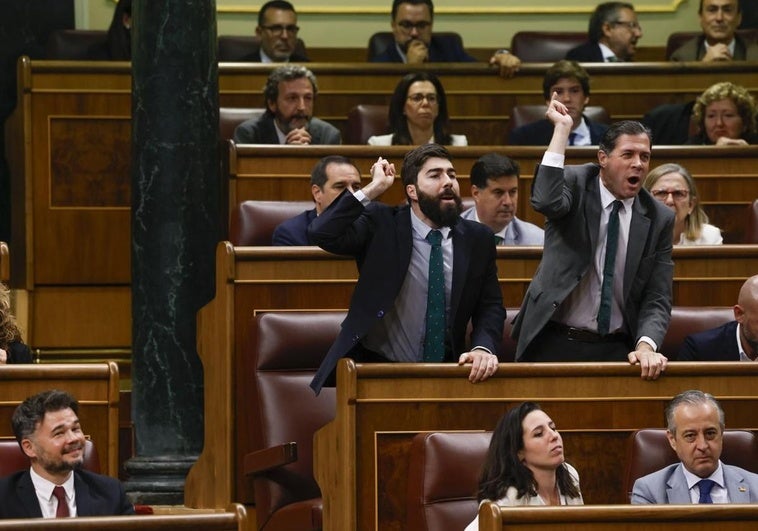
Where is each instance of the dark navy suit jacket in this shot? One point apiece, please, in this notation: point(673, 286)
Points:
point(380, 238)
point(589, 52)
point(96, 495)
point(716, 344)
point(294, 231)
point(440, 51)
point(540, 132)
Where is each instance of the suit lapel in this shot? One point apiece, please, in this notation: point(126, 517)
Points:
point(676, 488)
point(84, 502)
point(461, 253)
point(638, 230)
point(28, 496)
point(736, 488)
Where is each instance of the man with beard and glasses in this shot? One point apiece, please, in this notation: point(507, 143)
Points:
point(613, 34)
point(400, 251)
point(494, 187)
point(47, 428)
point(602, 291)
point(289, 93)
point(733, 341)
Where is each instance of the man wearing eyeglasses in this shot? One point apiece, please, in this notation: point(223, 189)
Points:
point(613, 35)
point(277, 29)
point(719, 41)
point(412, 22)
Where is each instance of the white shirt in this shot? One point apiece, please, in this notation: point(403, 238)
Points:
point(719, 493)
point(48, 503)
point(730, 46)
point(608, 55)
point(582, 134)
point(743, 354)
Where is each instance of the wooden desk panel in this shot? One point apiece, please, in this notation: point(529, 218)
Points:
point(377, 404)
point(94, 385)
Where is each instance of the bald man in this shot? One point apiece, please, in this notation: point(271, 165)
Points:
point(734, 341)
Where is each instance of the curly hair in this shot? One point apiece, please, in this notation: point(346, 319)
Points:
point(742, 99)
point(9, 331)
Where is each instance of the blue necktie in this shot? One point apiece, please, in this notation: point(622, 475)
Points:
point(572, 138)
point(705, 486)
point(606, 291)
point(434, 339)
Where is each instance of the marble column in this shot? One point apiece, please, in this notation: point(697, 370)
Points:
point(175, 227)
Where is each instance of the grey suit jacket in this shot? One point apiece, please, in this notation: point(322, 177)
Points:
point(517, 232)
point(669, 485)
point(570, 199)
point(261, 130)
point(694, 50)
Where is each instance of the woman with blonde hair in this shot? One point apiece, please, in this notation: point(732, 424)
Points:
point(726, 116)
point(12, 350)
point(673, 185)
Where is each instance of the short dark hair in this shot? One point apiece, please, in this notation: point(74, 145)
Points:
point(286, 73)
point(492, 166)
point(693, 397)
point(401, 136)
point(31, 411)
point(605, 12)
point(396, 5)
point(416, 158)
point(700, 9)
point(318, 173)
point(274, 4)
point(565, 69)
point(625, 127)
point(502, 467)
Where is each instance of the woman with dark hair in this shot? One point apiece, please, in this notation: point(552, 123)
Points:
point(525, 463)
point(418, 114)
point(120, 32)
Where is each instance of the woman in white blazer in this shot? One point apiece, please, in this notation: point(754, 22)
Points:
point(525, 463)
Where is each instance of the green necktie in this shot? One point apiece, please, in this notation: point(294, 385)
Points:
point(499, 240)
point(606, 291)
point(434, 339)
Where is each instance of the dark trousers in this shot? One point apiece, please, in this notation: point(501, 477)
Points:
point(555, 344)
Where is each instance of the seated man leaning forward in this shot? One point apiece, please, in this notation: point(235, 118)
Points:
point(696, 433)
point(571, 83)
point(289, 94)
point(329, 177)
point(424, 272)
point(602, 291)
point(494, 187)
point(47, 428)
point(733, 341)
point(415, 43)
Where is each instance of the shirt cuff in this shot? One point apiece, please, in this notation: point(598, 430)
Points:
point(556, 160)
point(645, 339)
point(479, 347)
point(360, 196)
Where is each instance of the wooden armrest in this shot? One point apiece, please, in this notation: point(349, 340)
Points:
point(263, 460)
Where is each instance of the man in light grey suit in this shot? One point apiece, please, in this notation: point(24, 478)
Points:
point(581, 306)
point(695, 431)
point(494, 187)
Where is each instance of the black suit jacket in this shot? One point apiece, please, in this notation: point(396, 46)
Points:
point(380, 239)
point(440, 51)
point(96, 495)
point(540, 132)
point(716, 344)
point(261, 130)
point(294, 231)
point(589, 52)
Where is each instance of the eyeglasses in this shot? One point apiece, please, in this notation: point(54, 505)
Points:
point(631, 25)
point(418, 98)
point(678, 195)
point(407, 25)
point(278, 29)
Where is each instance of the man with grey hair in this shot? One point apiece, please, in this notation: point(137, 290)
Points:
point(290, 93)
point(695, 431)
point(613, 34)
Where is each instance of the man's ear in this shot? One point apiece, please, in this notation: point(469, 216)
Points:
point(410, 190)
point(602, 158)
point(28, 448)
point(672, 439)
point(475, 192)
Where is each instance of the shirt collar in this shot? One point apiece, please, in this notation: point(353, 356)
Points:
point(582, 132)
point(743, 354)
point(423, 230)
point(717, 477)
point(606, 197)
point(45, 487)
point(501, 233)
point(731, 46)
point(607, 52)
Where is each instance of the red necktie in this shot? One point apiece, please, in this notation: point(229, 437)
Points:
point(62, 510)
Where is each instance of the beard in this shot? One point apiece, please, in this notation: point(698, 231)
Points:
point(60, 465)
point(432, 207)
point(295, 121)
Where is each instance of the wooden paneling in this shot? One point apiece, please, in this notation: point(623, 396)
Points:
point(596, 406)
point(94, 385)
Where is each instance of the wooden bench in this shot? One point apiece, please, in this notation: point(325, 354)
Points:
point(361, 458)
point(233, 519)
point(731, 517)
point(255, 279)
point(95, 386)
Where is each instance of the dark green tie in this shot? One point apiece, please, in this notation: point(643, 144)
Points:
point(434, 340)
point(499, 240)
point(606, 291)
